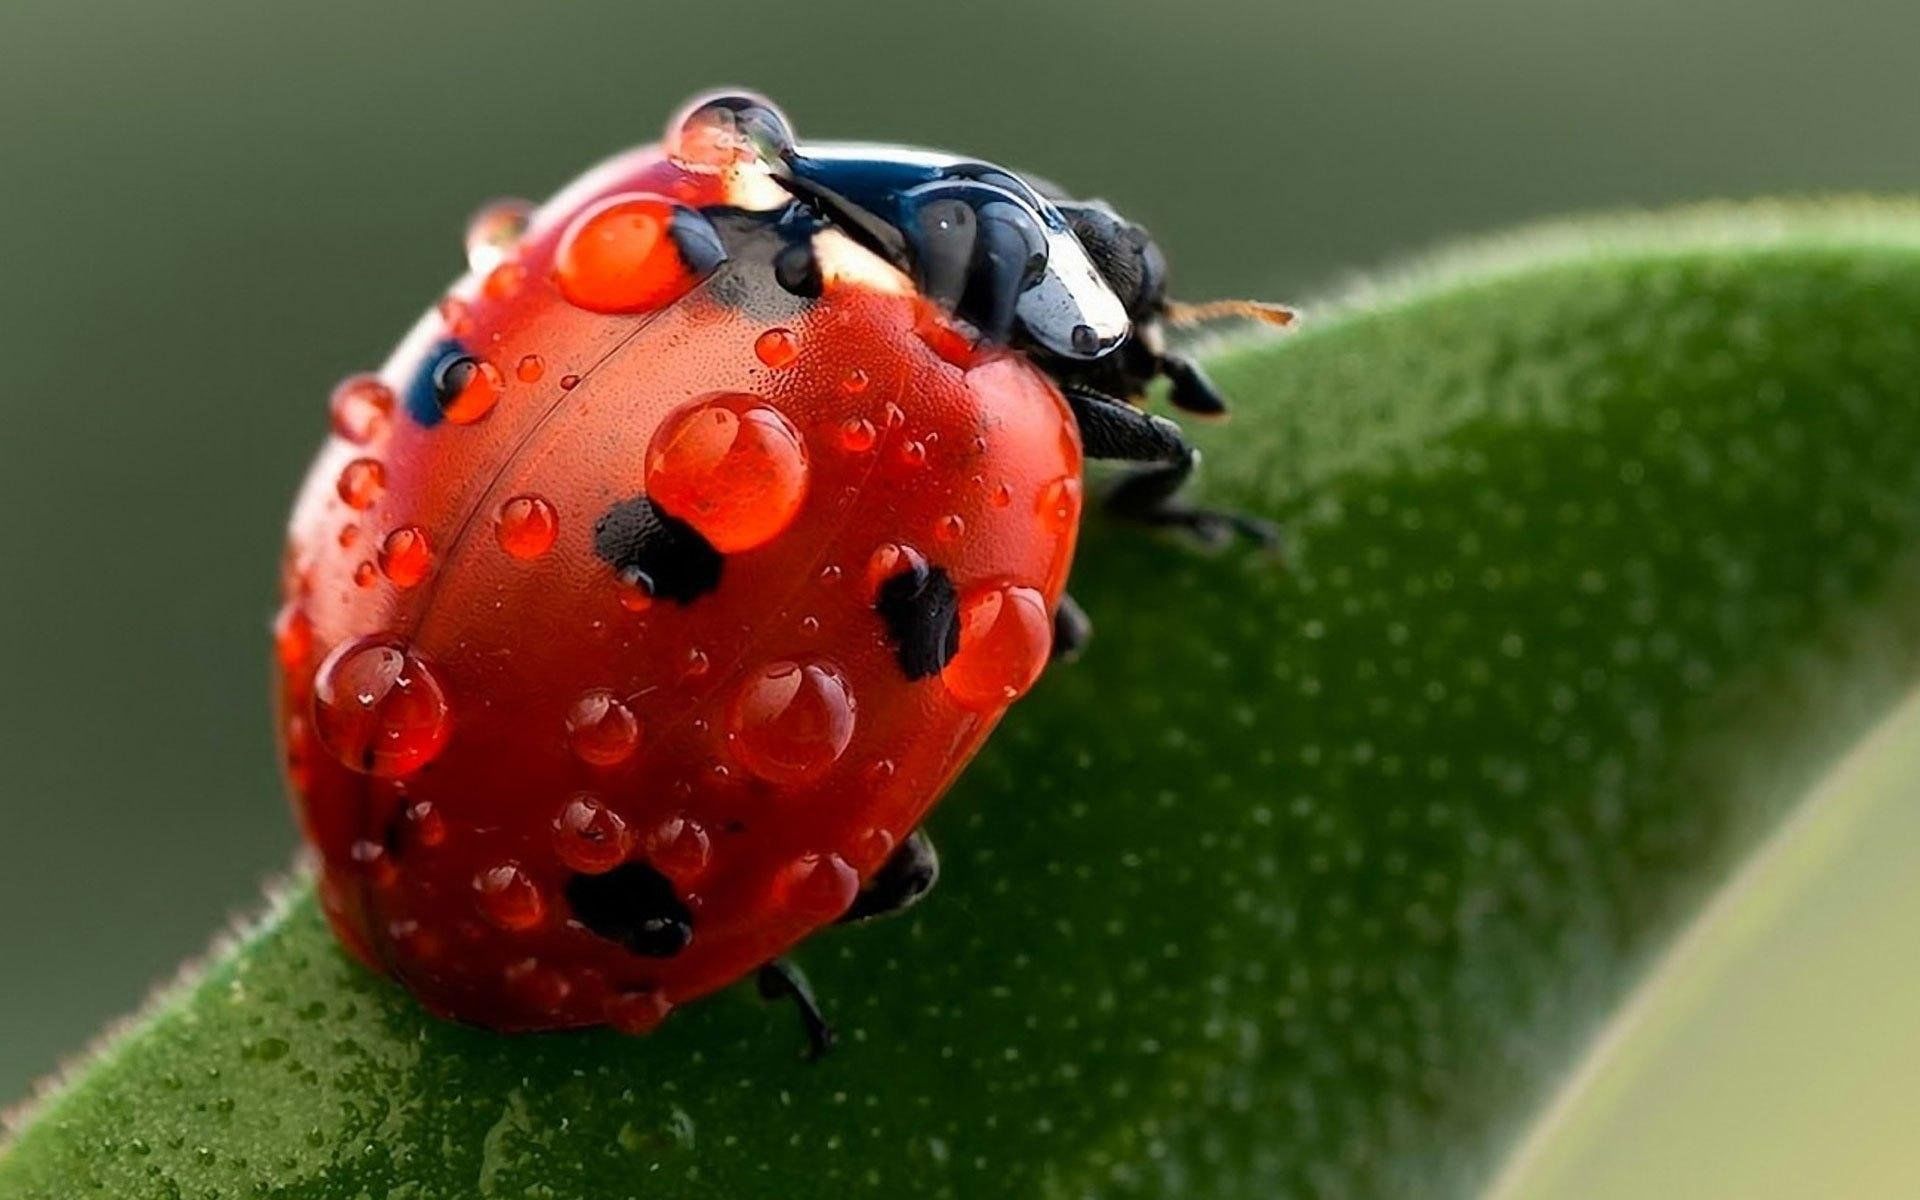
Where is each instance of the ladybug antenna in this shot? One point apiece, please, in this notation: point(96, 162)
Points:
point(1277, 315)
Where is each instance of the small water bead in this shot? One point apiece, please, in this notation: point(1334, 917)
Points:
point(467, 388)
point(530, 368)
point(857, 435)
point(777, 348)
point(621, 255)
point(601, 729)
point(1059, 504)
point(365, 575)
point(589, 837)
point(1006, 636)
point(378, 709)
point(539, 987)
point(372, 860)
point(790, 722)
point(422, 826)
point(504, 281)
point(494, 231)
point(405, 556)
point(638, 1012)
point(816, 887)
point(911, 455)
point(292, 637)
point(890, 559)
point(349, 534)
point(361, 482)
point(456, 316)
point(569, 382)
point(809, 626)
point(871, 849)
point(731, 467)
point(680, 849)
point(853, 382)
point(508, 898)
point(1003, 496)
point(526, 526)
point(694, 664)
point(361, 409)
point(633, 590)
point(950, 528)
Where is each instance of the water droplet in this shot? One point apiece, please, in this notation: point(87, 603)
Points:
point(530, 368)
point(601, 729)
point(777, 348)
point(292, 637)
point(526, 526)
point(405, 556)
point(731, 467)
point(590, 837)
point(422, 826)
point(716, 133)
point(365, 575)
point(510, 900)
point(638, 1012)
point(1003, 496)
point(816, 887)
point(620, 256)
point(361, 482)
point(1059, 505)
point(503, 281)
point(361, 409)
point(853, 382)
point(680, 849)
point(378, 709)
point(809, 625)
point(1006, 635)
point(467, 388)
point(891, 559)
point(634, 590)
point(912, 454)
point(695, 664)
point(349, 534)
point(857, 435)
point(569, 382)
point(950, 528)
point(494, 231)
point(372, 860)
point(871, 849)
point(454, 312)
point(791, 721)
point(539, 987)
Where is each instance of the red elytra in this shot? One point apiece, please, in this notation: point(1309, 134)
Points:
point(507, 712)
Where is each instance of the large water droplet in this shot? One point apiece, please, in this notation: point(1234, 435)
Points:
point(620, 256)
point(361, 409)
point(361, 482)
point(378, 709)
point(601, 729)
point(1006, 635)
point(731, 467)
point(405, 556)
point(526, 526)
point(494, 231)
point(590, 837)
point(720, 131)
point(791, 721)
point(816, 887)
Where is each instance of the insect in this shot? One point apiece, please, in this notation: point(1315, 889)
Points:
point(640, 607)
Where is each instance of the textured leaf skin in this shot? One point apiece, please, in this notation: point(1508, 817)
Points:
point(1306, 880)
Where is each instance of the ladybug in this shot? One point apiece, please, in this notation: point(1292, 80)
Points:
point(640, 607)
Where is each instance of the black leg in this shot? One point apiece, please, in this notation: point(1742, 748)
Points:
point(901, 882)
point(1189, 388)
point(1072, 630)
point(1114, 429)
point(782, 980)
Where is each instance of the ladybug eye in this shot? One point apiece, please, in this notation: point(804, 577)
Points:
point(453, 385)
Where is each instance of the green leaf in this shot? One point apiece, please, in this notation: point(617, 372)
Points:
point(1308, 880)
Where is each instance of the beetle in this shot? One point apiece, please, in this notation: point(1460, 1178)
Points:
point(636, 612)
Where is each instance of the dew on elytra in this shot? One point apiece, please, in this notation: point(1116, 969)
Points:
point(601, 729)
point(1003, 496)
point(361, 409)
point(680, 848)
point(857, 435)
point(731, 467)
point(365, 575)
point(1059, 504)
point(508, 899)
point(537, 986)
point(422, 826)
point(633, 590)
point(853, 382)
point(639, 1011)
point(493, 232)
point(530, 368)
point(405, 556)
point(349, 534)
point(361, 482)
point(378, 709)
point(694, 664)
point(809, 625)
point(950, 528)
point(526, 526)
point(503, 281)
point(1006, 635)
point(297, 738)
point(777, 347)
point(871, 849)
point(371, 858)
point(292, 636)
point(830, 574)
point(620, 256)
point(911, 455)
point(816, 887)
point(888, 560)
point(588, 836)
point(569, 382)
point(789, 722)
point(467, 389)
point(456, 315)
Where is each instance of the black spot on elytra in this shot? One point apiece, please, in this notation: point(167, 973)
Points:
point(633, 905)
point(660, 552)
point(768, 250)
point(922, 615)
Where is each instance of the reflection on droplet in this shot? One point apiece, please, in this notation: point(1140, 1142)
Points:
point(378, 709)
point(405, 556)
point(361, 409)
point(508, 898)
point(1006, 635)
point(601, 729)
point(361, 482)
point(526, 526)
point(791, 721)
point(588, 836)
point(731, 467)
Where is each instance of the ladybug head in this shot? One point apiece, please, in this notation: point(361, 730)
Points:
point(1124, 253)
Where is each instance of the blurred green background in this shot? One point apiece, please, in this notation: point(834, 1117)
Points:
point(211, 211)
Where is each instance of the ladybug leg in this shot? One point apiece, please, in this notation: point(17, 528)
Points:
point(1189, 389)
point(781, 979)
point(901, 882)
point(1114, 429)
point(1072, 630)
